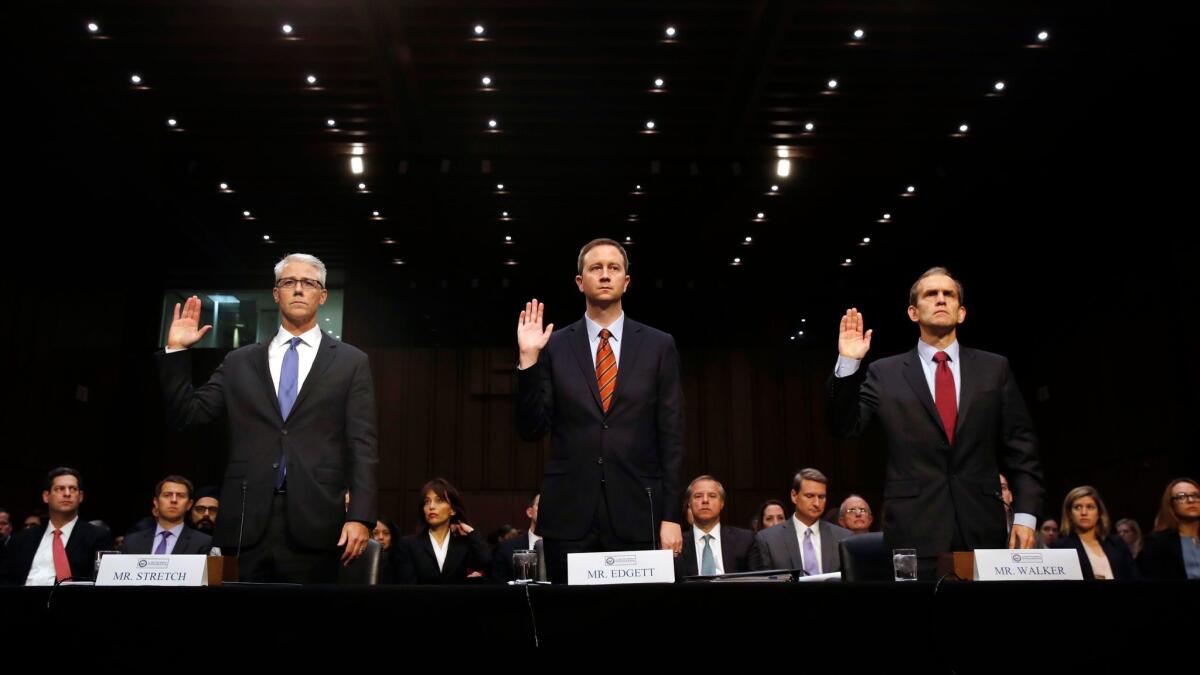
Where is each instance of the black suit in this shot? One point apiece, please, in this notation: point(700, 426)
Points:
point(611, 477)
point(1162, 556)
point(736, 543)
point(328, 438)
point(86, 539)
point(941, 496)
point(1115, 549)
point(191, 542)
point(417, 563)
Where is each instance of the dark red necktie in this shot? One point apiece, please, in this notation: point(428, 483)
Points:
point(944, 394)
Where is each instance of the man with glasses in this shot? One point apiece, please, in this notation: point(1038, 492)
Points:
point(203, 515)
point(172, 499)
point(855, 515)
point(64, 550)
point(301, 413)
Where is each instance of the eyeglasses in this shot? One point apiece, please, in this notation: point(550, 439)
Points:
point(1186, 497)
point(857, 511)
point(205, 510)
point(289, 283)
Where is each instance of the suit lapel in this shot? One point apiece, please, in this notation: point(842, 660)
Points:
point(185, 538)
point(262, 368)
point(577, 338)
point(728, 552)
point(326, 353)
point(689, 553)
point(915, 375)
point(425, 545)
point(829, 552)
point(455, 552)
point(631, 342)
point(793, 546)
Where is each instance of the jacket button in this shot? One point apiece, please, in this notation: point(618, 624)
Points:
point(599, 460)
point(606, 425)
point(283, 431)
point(275, 465)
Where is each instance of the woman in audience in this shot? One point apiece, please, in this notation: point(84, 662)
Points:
point(770, 514)
point(1086, 527)
point(1172, 550)
point(385, 534)
point(447, 550)
point(1130, 533)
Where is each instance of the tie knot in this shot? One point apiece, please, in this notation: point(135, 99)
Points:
point(57, 533)
point(166, 533)
point(941, 357)
point(605, 333)
point(808, 532)
point(295, 342)
point(708, 537)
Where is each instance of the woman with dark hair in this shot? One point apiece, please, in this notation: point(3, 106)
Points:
point(1172, 551)
point(447, 550)
point(770, 514)
point(387, 534)
point(1087, 528)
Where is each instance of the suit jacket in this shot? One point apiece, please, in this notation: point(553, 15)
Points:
point(736, 543)
point(502, 570)
point(777, 548)
point(191, 542)
point(1115, 549)
point(329, 439)
point(417, 563)
point(636, 449)
point(1162, 556)
point(930, 483)
point(86, 539)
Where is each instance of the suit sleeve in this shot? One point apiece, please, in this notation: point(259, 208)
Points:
point(670, 431)
point(853, 401)
point(362, 446)
point(535, 399)
point(478, 555)
point(185, 405)
point(1019, 448)
point(760, 556)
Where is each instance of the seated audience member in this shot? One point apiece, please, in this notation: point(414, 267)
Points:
point(1130, 533)
point(1087, 529)
point(502, 569)
point(710, 547)
point(33, 520)
point(855, 515)
point(385, 534)
point(1048, 533)
point(770, 514)
point(66, 548)
point(804, 541)
point(1172, 550)
point(172, 499)
point(447, 550)
point(203, 515)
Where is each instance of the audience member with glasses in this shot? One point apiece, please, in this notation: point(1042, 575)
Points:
point(1172, 551)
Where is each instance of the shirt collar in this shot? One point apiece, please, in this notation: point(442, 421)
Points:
point(801, 527)
point(699, 534)
point(159, 529)
point(310, 337)
point(593, 329)
point(926, 351)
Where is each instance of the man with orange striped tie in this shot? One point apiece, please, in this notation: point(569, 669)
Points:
point(607, 390)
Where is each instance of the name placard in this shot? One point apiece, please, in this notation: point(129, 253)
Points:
point(620, 567)
point(1027, 564)
point(153, 570)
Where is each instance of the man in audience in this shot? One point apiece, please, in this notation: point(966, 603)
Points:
point(203, 515)
point(172, 499)
point(66, 549)
point(502, 569)
point(855, 515)
point(804, 541)
point(710, 548)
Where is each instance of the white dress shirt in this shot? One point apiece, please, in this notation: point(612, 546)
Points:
point(306, 350)
point(715, 544)
point(41, 573)
point(617, 328)
point(816, 540)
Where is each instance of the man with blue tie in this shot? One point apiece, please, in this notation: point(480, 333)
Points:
point(607, 390)
point(172, 499)
point(711, 547)
point(953, 418)
point(301, 413)
point(805, 541)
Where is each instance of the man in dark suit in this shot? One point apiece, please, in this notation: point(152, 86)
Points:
point(170, 535)
point(66, 549)
point(805, 541)
point(709, 546)
point(953, 418)
point(301, 413)
point(607, 390)
point(502, 567)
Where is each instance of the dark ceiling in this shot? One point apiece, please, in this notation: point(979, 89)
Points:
point(572, 90)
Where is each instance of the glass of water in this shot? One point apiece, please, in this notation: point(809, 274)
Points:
point(524, 565)
point(904, 563)
point(99, 555)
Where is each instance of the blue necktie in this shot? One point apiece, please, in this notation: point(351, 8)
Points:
point(289, 385)
point(810, 554)
point(708, 566)
point(162, 545)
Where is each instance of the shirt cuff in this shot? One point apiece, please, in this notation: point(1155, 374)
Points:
point(846, 366)
point(172, 350)
point(1025, 519)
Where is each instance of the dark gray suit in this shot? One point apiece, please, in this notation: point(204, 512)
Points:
point(736, 544)
point(191, 542)
point(777, 548)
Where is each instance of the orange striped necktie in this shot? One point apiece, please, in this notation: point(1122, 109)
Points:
point(606, 369)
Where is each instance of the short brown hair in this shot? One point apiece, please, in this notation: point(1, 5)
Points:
point(933, 272)
point(600, 242)
point(174, 478)
point(1103, 522)
point(808, 474)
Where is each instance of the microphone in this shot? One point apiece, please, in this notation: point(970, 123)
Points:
point(242, 521)
point(650, 498)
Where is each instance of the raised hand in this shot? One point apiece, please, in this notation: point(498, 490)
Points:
point(852, 343)
point(531, 337)
point(185, 330)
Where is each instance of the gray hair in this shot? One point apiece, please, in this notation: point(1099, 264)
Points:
point(842, 508)
point(697, 479)
point(301, 258)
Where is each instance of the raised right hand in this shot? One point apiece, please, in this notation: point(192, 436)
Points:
point(531, 338)
point(852, 343)
point(184, 333)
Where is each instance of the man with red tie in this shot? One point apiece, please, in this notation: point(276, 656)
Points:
point(953, 418)
point(64, 549)
point(607, 390)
